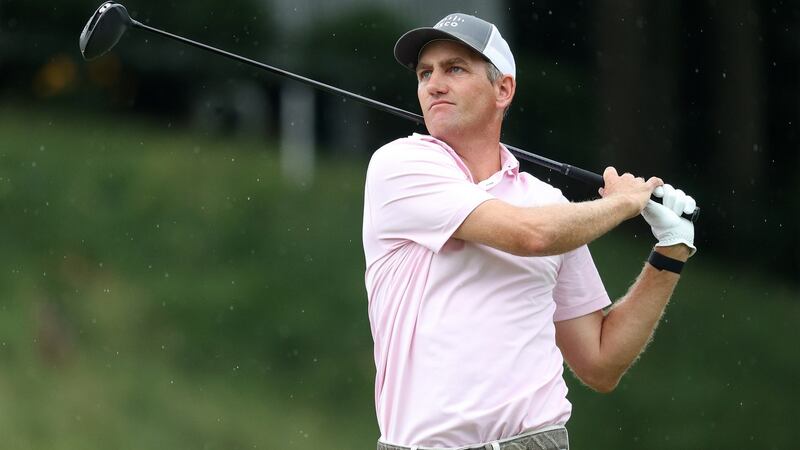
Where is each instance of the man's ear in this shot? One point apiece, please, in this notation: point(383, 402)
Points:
point(504, 89)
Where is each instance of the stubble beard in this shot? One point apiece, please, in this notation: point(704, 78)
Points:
point(447, 128)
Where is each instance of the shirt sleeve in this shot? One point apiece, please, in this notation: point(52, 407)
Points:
point(579, 289)
point(417, 192)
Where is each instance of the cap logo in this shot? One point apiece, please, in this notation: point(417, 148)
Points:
point(449, 21)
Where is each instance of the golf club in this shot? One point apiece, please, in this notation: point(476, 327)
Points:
point(111, 20)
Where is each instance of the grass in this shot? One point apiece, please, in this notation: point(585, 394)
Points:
point(163, 288)
point(149, 285)
point(720, 372)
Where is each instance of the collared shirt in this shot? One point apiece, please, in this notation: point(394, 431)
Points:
point(464, 333)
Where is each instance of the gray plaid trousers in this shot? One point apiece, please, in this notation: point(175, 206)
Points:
point(556, 439)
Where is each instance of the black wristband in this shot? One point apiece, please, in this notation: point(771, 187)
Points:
point(662, 262)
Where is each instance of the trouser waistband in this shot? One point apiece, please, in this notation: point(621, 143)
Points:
point(551, 439)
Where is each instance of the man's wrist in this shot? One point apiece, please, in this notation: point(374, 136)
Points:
point(662, 263)
point(624, 204)
point(681, 252)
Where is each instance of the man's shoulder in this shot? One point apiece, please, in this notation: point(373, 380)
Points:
point(544, 190)
point(410, 148)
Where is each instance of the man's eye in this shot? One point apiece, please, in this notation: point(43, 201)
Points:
point(425, 74)
point(456, 69)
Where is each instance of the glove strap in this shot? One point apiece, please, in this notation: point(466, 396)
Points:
point(662, 262)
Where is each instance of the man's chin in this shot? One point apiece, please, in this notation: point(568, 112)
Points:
point(442, 131)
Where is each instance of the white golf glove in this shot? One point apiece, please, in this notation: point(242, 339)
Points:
point(665, 219)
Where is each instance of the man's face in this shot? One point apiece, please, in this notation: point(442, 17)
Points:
point(454, 91)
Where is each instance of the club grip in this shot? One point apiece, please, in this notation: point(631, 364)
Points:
point(692, 217)
point(590, 178)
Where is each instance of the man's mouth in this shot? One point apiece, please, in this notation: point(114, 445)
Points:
point(439, 102)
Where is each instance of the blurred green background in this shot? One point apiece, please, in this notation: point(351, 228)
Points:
point(167, 282)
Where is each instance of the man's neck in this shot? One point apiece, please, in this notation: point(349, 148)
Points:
point(479, 151)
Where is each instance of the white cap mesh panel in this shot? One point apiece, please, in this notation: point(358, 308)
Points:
point(499, 53)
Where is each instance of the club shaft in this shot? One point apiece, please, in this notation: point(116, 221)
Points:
point(325, 87)
point(576, 173)
point(565, 169)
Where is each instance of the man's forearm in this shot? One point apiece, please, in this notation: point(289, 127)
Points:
point(557, 228)
point(562, 228)
point(629, 325)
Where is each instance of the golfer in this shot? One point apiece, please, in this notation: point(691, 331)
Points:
point(479, 280)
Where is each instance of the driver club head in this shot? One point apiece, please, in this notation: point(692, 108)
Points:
point(103, 30)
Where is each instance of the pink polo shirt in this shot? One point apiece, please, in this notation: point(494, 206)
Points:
point(464, 337)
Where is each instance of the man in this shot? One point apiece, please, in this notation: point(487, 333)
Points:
point(479, 280)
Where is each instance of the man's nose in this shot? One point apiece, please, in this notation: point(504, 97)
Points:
point(436, 83)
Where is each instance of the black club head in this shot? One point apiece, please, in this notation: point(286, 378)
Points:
point(103, 30)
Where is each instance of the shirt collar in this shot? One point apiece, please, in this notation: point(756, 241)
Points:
point(508, 163)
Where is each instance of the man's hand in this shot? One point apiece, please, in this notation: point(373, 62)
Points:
point(633, 191)
point(665, 220)
point(600, 347)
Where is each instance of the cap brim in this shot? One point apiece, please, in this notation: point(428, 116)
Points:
point(407, 48)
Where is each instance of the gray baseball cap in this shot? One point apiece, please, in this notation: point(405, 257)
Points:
point(478, 34)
